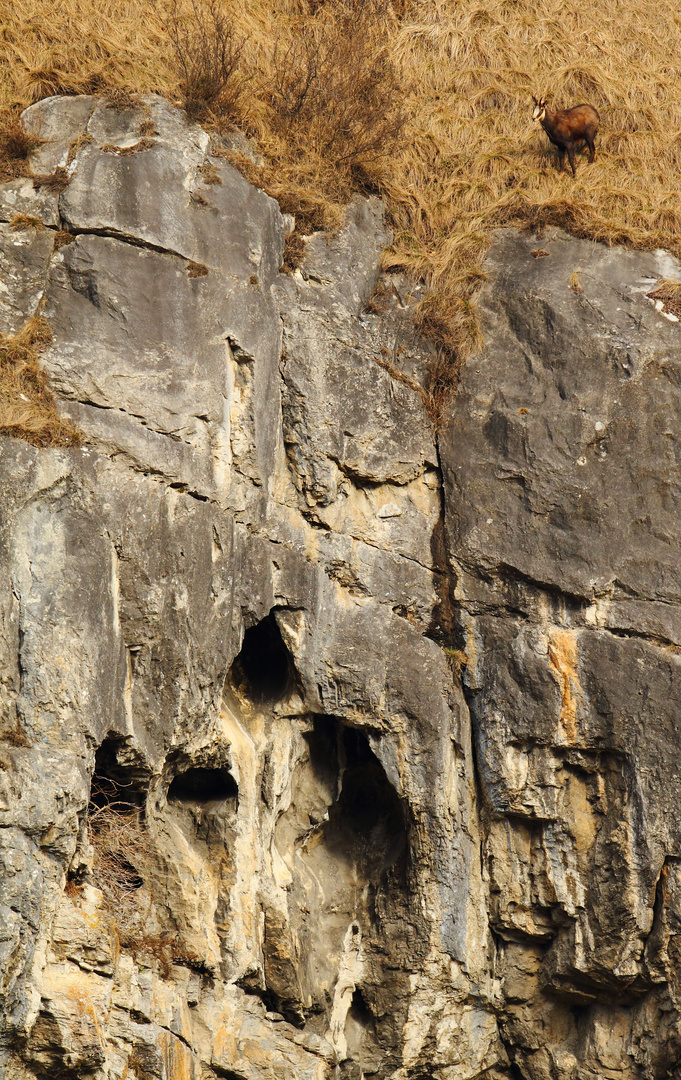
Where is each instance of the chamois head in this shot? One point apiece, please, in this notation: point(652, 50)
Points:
point(539, 108)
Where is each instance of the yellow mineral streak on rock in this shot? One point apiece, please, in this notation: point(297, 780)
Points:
point(80, 1002)
point(178, 1059)
point(583, 824)
point(563, 661)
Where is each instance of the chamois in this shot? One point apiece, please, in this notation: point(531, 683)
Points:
point(567, 127)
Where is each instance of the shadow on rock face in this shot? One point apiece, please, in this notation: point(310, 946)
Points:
point(345, 838)
point(366, 824)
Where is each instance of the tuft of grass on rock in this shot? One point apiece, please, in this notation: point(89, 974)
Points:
point(20, 222)
point(27, 406)
point(196, 270)
point(61, 238)
point(16, 145)
point(668, 292)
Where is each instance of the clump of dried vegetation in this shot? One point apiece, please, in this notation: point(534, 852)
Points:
point(121, 850)
point(27, 406)
point(122, 854)
point(426, 102)
point(208, 52)
point(16, 145)
point(668, 293)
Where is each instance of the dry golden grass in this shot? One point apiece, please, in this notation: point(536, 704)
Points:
point(27, 407)
point(668, 293)
point(477, 162)
point(121, 851)
point(460, 155)
point(15, 145)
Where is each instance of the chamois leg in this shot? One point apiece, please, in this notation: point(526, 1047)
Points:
point(561, 158)
point(571, 158)
point(592, 149)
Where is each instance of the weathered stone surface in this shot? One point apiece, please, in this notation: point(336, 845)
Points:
point(247, 827)
point(247, 684)
point(23, 262)
point(59, 119)
point(20, 197)
point(359, 443)
point(561, 474)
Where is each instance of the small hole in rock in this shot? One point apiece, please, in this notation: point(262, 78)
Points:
point(203, 786)
point(263, 670)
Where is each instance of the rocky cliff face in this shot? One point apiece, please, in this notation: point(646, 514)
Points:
point(330, 751)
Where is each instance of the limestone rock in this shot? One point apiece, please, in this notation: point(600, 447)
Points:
point(255, 824)
point(560, 463)
point(23, 259)
point(238, 783)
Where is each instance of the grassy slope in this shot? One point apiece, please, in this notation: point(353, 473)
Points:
point(469, 158)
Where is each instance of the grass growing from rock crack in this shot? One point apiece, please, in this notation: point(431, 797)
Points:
point(27, 407)
point(426, 102)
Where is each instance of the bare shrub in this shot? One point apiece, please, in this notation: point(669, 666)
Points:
point(208, 52)
point(327, 114)
point(121, 849)
point(333, 81)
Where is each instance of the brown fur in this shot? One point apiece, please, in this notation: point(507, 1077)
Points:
point(568, 127)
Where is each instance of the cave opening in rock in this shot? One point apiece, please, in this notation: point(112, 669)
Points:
point(345, 836)
point(367, 821)
point(203, 785)
point(119, 781)
point(359, 1012)
point(263, 672)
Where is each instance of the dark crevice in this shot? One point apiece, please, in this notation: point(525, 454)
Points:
point(157, 474)
point(113, 234)
point(507, 573)
point(315, 522)
point(113, 781)
point(135, 416)
point(640, 635)
point(443, 628)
